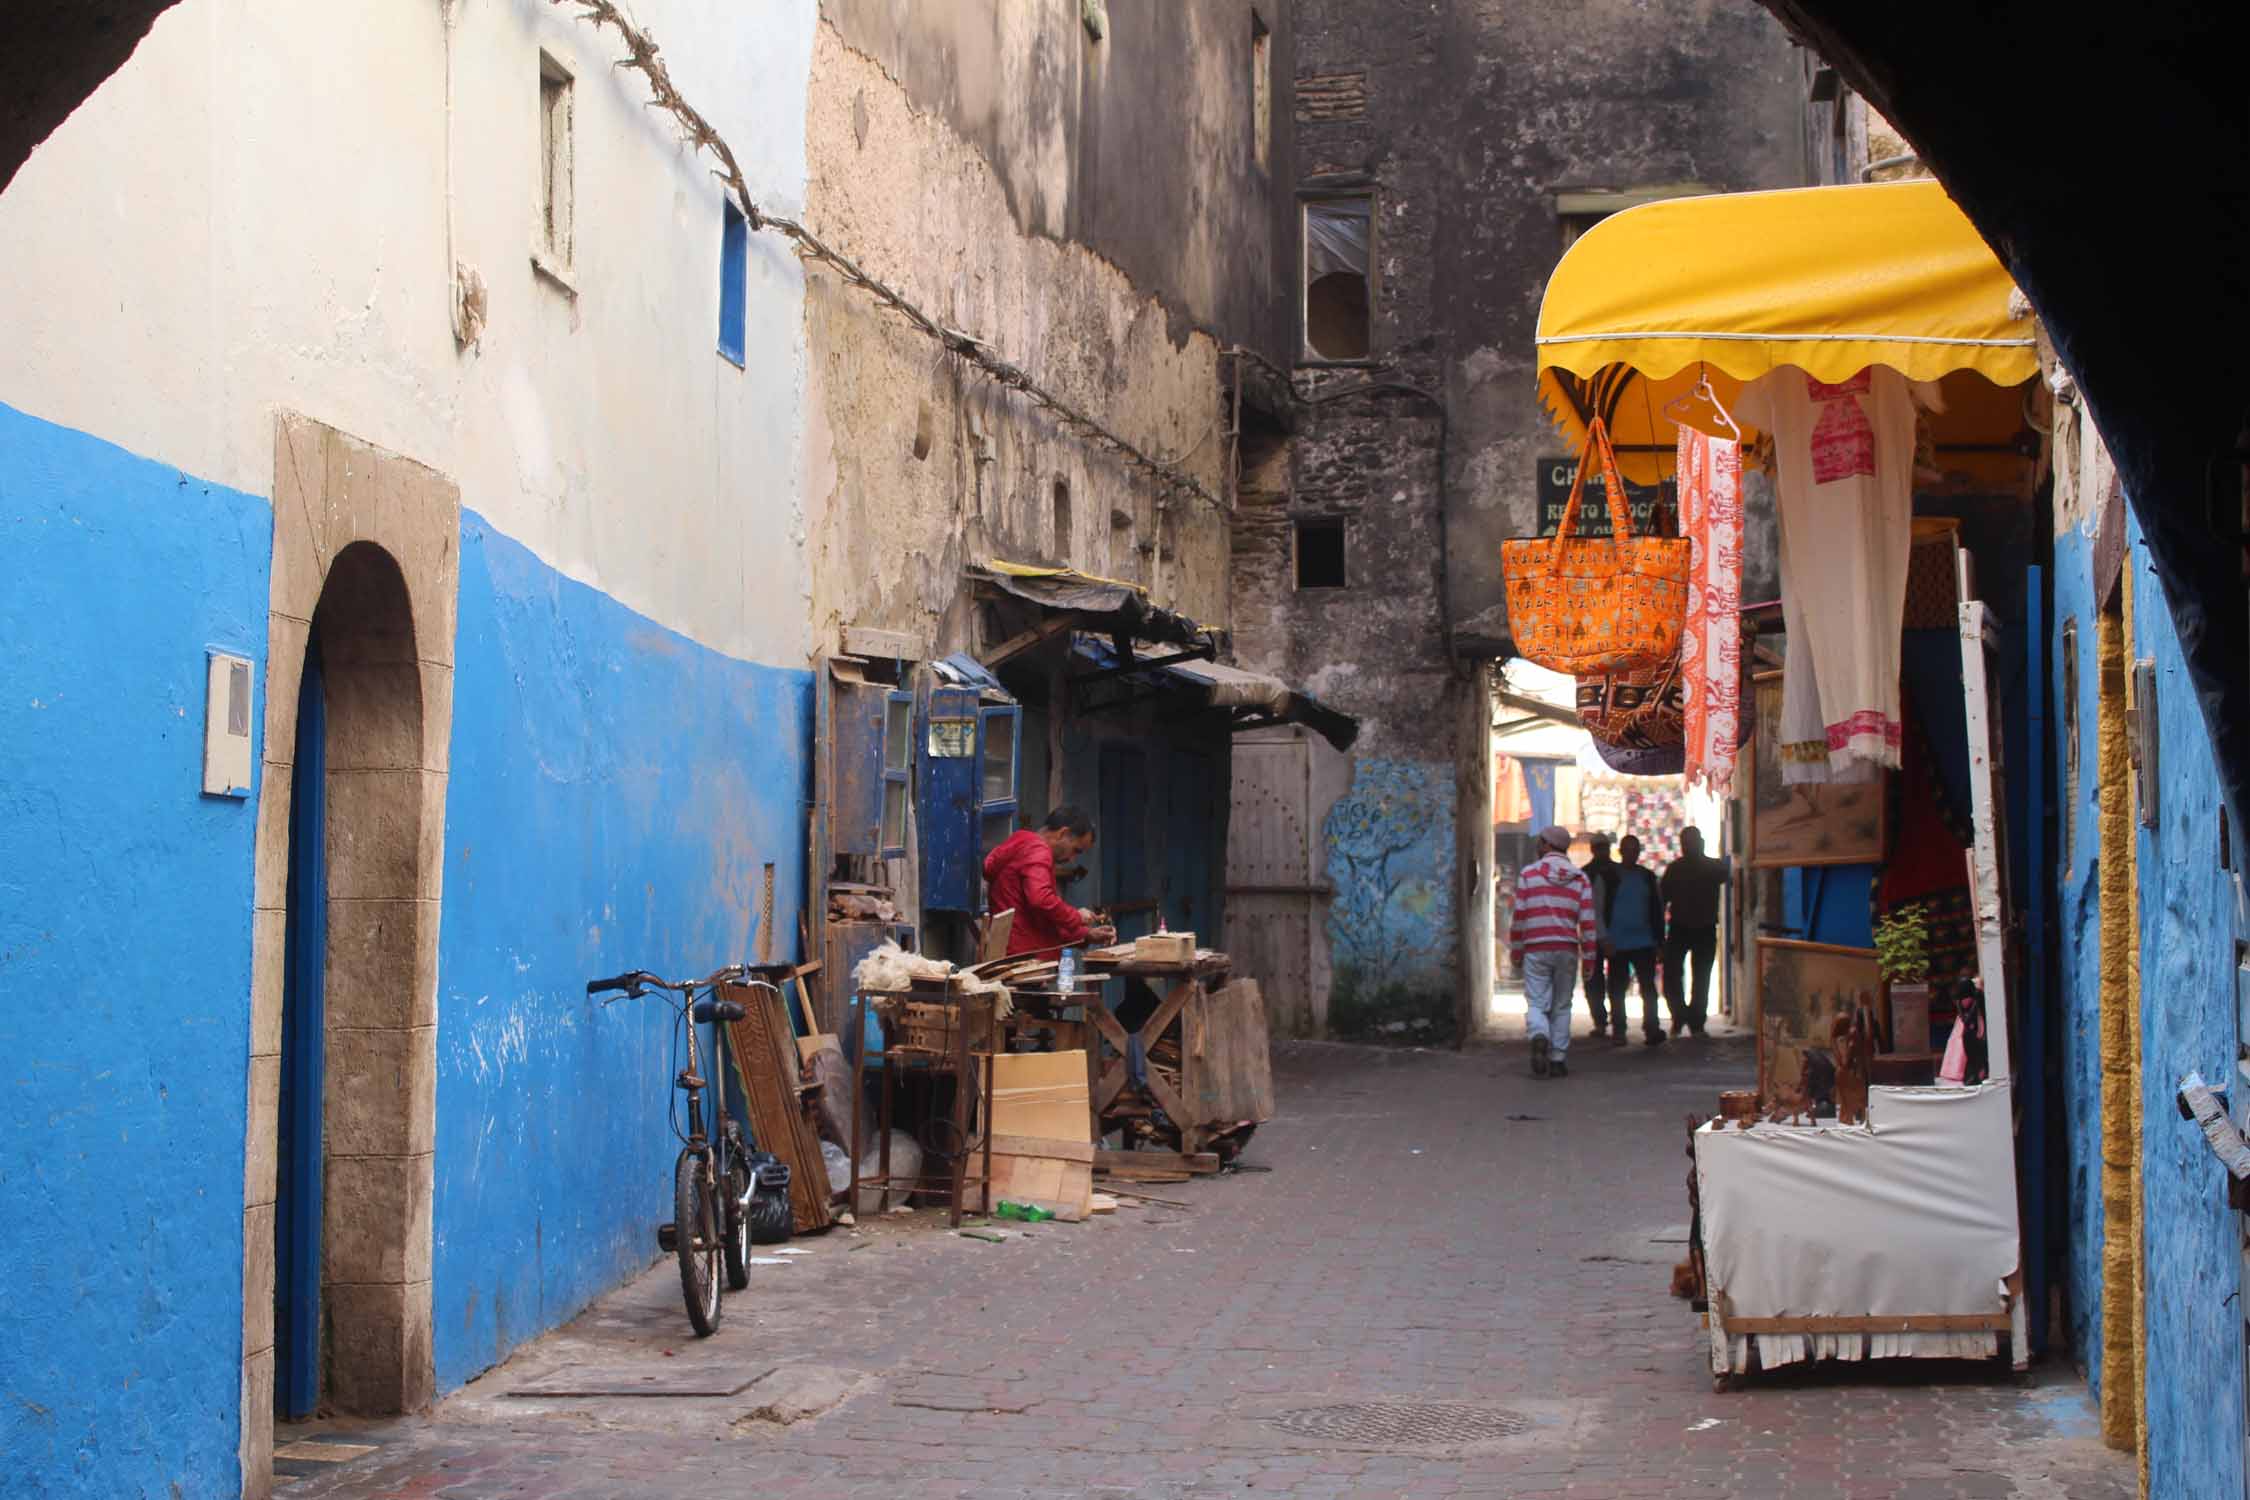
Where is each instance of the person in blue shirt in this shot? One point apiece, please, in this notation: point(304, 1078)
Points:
point(1633, 916)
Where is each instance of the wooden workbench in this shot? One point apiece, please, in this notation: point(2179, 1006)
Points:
point(1178, 984)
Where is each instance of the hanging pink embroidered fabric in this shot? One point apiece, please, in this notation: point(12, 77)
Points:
point(1710, 485)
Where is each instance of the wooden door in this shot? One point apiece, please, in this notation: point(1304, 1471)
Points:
point(1275, 895)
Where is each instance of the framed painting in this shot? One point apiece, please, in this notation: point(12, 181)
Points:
point(1806, 824)
point(1802, 989)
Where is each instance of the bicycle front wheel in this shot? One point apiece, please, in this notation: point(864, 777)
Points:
point(697, 1219)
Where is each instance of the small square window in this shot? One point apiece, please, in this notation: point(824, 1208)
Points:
point(1320, 554)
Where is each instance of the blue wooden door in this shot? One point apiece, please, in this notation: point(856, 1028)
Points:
point(1190, 809)
point(1122, 841)
point(296, 1282)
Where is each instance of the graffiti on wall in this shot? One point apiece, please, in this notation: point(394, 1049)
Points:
point(1391, 925)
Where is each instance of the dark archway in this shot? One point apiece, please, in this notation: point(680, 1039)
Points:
point(56, 56)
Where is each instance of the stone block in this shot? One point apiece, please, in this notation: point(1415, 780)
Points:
point(261, 1132)
point(382, 963)
point(380, 1092)
point(257, 1278)
point(366, 1326)
point(271, 870)
point(300, 515)
point(285, 672)
point(375, 1227)
point(437, 717)
point(256, 1443)
point(374, 833)
point(269, 936)
point(375, 716)
point(429, 865)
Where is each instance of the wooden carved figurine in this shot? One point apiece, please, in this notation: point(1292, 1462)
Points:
point(1851, 1043)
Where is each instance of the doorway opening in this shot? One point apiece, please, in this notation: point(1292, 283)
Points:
point(354, 1125)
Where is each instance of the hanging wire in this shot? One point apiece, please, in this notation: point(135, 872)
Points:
point(642, 57)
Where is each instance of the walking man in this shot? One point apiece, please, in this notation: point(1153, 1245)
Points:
point(1691, 888)
point(1605, 978)
point(1552, 926)
point(1635, 920)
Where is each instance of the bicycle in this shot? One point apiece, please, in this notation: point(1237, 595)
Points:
point(717, 1177)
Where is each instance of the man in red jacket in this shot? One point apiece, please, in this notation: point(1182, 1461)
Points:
point(1019, 874)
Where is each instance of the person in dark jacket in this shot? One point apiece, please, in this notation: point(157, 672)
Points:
point(1692, 886)
point(1605, 978)
point(1634, 919)
point(1019, 876)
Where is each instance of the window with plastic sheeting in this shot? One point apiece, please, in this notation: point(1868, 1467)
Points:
point(1338, 276)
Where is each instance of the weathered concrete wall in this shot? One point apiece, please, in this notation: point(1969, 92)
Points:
point(1476, 116)
point(918, 466)
point(1138, 146)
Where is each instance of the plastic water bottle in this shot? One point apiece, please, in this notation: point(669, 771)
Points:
point(1066, 970)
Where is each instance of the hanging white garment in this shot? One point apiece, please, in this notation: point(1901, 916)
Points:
point(1844, 478)
point(1803, 751)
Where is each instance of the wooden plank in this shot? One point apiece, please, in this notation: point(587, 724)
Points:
point(1870, 1323)
point(1987, 871)
point(766, 1061)
point(1202, 1163)
point(1037, 1145)
point(994, 943)
point(1234, 1076)
point(1017, 644)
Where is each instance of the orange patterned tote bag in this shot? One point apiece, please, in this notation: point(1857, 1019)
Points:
point(1589, 605)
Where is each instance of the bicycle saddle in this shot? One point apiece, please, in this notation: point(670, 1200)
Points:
point(710, 1008)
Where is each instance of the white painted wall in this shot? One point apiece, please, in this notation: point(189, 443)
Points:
point(251, 215)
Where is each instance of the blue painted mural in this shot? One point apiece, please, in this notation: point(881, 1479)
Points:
point(1391, 926)
point(125, 899)
point(2194, 1321)
point(616, 791)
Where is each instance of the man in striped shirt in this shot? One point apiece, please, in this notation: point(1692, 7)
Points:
point(1552, 927)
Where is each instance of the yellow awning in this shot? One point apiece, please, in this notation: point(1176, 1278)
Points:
point(1734, 285)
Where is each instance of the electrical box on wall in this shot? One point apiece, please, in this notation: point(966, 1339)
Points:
point(227, 705)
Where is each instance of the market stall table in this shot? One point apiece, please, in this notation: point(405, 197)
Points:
point(1178, 982)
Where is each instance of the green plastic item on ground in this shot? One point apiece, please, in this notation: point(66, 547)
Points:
point(988, 1236)
point(1024, 1212)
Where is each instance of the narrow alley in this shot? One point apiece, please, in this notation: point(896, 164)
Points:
point(1437, 1228)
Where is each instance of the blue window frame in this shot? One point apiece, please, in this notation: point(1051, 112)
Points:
point(898, 771)
point(734, 269)
point(999, 746)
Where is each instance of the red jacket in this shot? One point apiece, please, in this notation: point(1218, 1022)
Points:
point(1020, 873)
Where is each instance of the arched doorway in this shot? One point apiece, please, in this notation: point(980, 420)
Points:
point(352, 1132)
point(364, 590)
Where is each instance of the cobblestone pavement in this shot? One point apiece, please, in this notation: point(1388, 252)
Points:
point(1435, 1227)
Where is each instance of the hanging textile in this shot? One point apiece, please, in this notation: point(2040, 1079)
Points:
point(1539, 782)
point(1511, 799)
point(1844, 477)
point(1710, 485)
point(1803, 751)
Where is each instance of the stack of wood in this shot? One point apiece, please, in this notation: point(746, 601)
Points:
point(770, 1066)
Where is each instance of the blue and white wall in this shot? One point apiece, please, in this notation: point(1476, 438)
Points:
point(258, 214)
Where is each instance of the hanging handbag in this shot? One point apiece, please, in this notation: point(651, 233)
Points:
point(1644, 708)
point(1586, 605)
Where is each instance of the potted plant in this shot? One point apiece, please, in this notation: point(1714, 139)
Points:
point(1902, 952)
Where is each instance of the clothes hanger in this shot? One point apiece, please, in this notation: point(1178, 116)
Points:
point(1675, 408)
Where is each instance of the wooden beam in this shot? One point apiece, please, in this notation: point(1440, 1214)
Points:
point(1045, 630)
point(1539, 708)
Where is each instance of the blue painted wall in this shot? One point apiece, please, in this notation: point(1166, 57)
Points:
point(1391, 927)
point(125, 898)
point(2076, 925)
point(2195, 1366)
point(616, 790)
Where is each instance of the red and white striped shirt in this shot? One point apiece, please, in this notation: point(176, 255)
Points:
point(1554, 909)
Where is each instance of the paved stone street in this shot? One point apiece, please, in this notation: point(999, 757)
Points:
point(1435, 1227)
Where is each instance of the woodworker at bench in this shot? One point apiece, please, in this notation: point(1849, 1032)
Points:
point(1019, 874)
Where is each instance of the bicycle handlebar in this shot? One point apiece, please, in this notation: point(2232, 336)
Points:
point(634, 981)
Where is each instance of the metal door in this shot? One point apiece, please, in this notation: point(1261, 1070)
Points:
point(1122, 841)
point(1190, 811)
point(1273, 896)
point(297, 1185)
